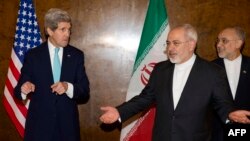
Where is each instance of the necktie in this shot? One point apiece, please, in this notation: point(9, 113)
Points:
point(56, 66)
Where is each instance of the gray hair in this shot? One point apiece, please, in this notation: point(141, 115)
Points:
point(240, 33)
point(191, 32)
point(55, 16)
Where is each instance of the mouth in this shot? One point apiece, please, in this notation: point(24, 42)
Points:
point(172, 55)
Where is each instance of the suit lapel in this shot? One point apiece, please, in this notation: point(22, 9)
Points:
point(169, 84)
point(65, 63)
point(190, 84)
point(242, 77)
point(46, 60)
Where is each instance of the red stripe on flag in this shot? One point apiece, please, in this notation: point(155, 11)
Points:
point(11, 114)
point(142, 130)
point(14, 70)
point(24, 32)
point(18, 102)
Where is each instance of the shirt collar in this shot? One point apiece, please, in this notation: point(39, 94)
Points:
point(186, 64)
point(52, 47)
point(236, 60)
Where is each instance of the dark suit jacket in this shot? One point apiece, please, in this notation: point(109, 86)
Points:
point(242, 96)
point(205, 90)
point(51, 115)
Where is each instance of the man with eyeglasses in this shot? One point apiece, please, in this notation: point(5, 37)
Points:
point(185, 89)
point(229, 44)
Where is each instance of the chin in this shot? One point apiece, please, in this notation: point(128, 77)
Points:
point(221, 56)
point(173, 61)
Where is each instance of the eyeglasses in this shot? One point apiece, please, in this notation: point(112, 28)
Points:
point(224, 41)
point(175, 43)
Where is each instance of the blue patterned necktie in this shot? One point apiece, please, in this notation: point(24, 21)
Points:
point(56, 66)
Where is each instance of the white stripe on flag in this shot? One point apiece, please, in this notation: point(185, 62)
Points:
point(16, 61)
point(12, 79)
point(151, 51)
point(14, 107)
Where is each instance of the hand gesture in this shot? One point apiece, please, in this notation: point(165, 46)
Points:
point(110, 115)
point(59, 88)
point(27, 87)
point(240, 116)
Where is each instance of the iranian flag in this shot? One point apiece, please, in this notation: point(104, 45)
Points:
point(151, 51)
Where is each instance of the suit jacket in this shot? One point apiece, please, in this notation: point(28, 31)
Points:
point(205, 90)
point(51, 115)
point(242, 97)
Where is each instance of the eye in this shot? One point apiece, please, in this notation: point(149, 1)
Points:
point(168, 43)
point(176, 43)
point(224, 41)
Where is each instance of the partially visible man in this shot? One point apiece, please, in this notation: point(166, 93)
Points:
point(53, 76)
point(229, 44)
point(185, 89)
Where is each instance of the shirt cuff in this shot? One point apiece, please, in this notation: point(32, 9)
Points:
point(24, 96)
point(70, 90)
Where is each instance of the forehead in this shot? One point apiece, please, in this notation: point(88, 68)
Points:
point(176, 34)
point(228, 33)
point(64, 25)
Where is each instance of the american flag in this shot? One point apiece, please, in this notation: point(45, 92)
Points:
point(27, 36)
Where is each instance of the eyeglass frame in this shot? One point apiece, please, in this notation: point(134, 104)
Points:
point(176, 43)
point(224, 41)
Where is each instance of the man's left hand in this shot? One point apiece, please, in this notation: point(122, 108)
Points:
point(59, 88)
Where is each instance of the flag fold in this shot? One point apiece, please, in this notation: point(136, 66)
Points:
point(27, 36)
point(151, 51)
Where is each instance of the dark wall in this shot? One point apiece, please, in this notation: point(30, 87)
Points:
point(108, 31)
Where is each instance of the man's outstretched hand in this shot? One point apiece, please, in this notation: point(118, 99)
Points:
point(240, 116)
point(110, 115)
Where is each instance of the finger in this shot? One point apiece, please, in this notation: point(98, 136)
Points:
point(32, 88)
point(54, 87)
point(248, 113)
point(104, 118)
point(105, 108)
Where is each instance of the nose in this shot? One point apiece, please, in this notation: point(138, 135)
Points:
point(218, 44)
point(170, 47)
point(68, 33)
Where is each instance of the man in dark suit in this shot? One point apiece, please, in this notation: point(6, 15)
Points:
point(185, 89)
point(229, 44)
point(55, 82)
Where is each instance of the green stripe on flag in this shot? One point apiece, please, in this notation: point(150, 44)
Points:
point(154, 25)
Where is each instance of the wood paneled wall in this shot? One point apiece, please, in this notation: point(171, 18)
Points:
point(108, 31)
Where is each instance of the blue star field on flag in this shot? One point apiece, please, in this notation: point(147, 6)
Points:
point(27, 30)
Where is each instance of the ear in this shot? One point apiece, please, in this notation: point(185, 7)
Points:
point(239, 44)
point(192, 45)
point(49, 31)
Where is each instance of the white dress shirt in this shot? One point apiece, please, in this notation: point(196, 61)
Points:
point(51, 47)
point(233, 73)
point(181, 73)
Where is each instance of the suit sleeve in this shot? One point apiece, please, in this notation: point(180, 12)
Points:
point(26, 74)
point(81, 83)
point(222, 99)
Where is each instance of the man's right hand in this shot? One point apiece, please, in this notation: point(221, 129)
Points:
point(27, 87)
point(110, 115)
